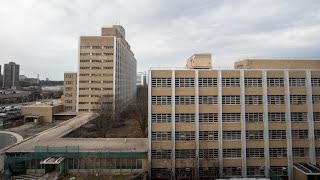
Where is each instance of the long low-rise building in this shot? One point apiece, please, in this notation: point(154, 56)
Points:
point(52, 151)
point(258, 120)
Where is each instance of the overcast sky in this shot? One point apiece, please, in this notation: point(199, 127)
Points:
point(42, 35)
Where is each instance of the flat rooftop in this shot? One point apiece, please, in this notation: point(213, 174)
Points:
point(54, 138)
point(46, 104)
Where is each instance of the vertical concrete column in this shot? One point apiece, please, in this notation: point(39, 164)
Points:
point(149, 124)
point(243, 125)
point(312, 147)
point(220, 153)
point(173, 124)
point(265, 124)
point(197, 121)
point(114, 83)
point(78, 77)
point(288, 124)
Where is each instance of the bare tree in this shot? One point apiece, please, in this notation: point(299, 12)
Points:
point(139, 109)
point(107, 115)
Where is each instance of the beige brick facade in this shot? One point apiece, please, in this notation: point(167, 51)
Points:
point(234, 123)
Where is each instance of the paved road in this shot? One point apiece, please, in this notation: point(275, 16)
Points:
point(6, 140)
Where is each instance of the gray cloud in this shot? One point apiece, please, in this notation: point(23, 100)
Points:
point(43, 36)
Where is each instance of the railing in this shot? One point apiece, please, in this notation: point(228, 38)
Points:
point(274, 176)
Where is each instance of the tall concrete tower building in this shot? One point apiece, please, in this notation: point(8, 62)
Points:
point(11, 76)
point(107, 70)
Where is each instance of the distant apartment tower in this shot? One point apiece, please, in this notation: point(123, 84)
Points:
point(69, 98)
point(260, 119)
point(107, 71)
point(11, 76)
point(142, 79)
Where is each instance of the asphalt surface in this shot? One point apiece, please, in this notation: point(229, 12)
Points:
point(6, 140)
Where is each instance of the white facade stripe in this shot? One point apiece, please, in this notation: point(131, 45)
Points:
point(220, 153)
point(173, 124)
point(265, 124)
point(197, 121)
point(312, 147)
point(243, 126)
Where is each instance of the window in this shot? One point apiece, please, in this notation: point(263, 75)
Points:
point(84, 110)
point(255, 152)
point(316, 116)
point(317, 134)
point(107, 82)
point(208, 82)
point(300, 134)
point(208, 99)
point(231, 135)
point(277, 134)
point(107, 67)
point(106, 89)
point(83, 102)
point(300, 152)
point(297, 82)
point(67, 108)
point(278, 152)
point(83, 89)
point(96, 67)
point(68, 95)
point(96, 54)
point(85, 60)
point(231, 153)
point(84, 95)
point(161, 118)
point(317, 151)
point(107, 54)
point(97, 61)
point(280, 170)
point(208, 135)
point(161, 100)
point(184, 82)
point(230, 100)
point(316, 99)
point(161, 136)
point(208, 172)
point(184, 118)
point(255, 171)
point(208, 153)
point(68, 101)
point(85, 47)
point(299, 116)
point(84, 74)
point(298, 99)
point(184, 100)
point(253, 82)
point(230, 82)
point(254, 134)
point(315, 82)
point(253, 99)
point(208, 117)
point(96, 47)
point(185, 153)
point(160, 173)
point(231, 117)
point(83, 82)
point(254, 117)
point(107, 47)
point(185, 136)
point(84, 54)
point(232, 171)
point(275, 82)
point(84, 67)
point(161, 82)
point(277, 116)
point(69, 75)
point(161, 154)
point(276, 99)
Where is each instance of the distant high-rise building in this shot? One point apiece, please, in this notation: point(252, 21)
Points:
point(11, 76)
point(1, 77)
point(142, 79)
point(107, 69)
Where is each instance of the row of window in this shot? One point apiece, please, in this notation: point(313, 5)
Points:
point(95, 89)
point(96, 54)
point(96, 75)
point(213, 172)
point(233, 82)
point(233, 117)
point(233, 135)
point(96, 82)
point(228, 153)
point(249, 99)
point(95, 68)
point(96, 61)
point(96, 47)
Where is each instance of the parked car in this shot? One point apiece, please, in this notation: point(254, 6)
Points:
point(3, 115)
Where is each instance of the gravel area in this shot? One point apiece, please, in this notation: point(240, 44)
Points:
point(29, 129)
